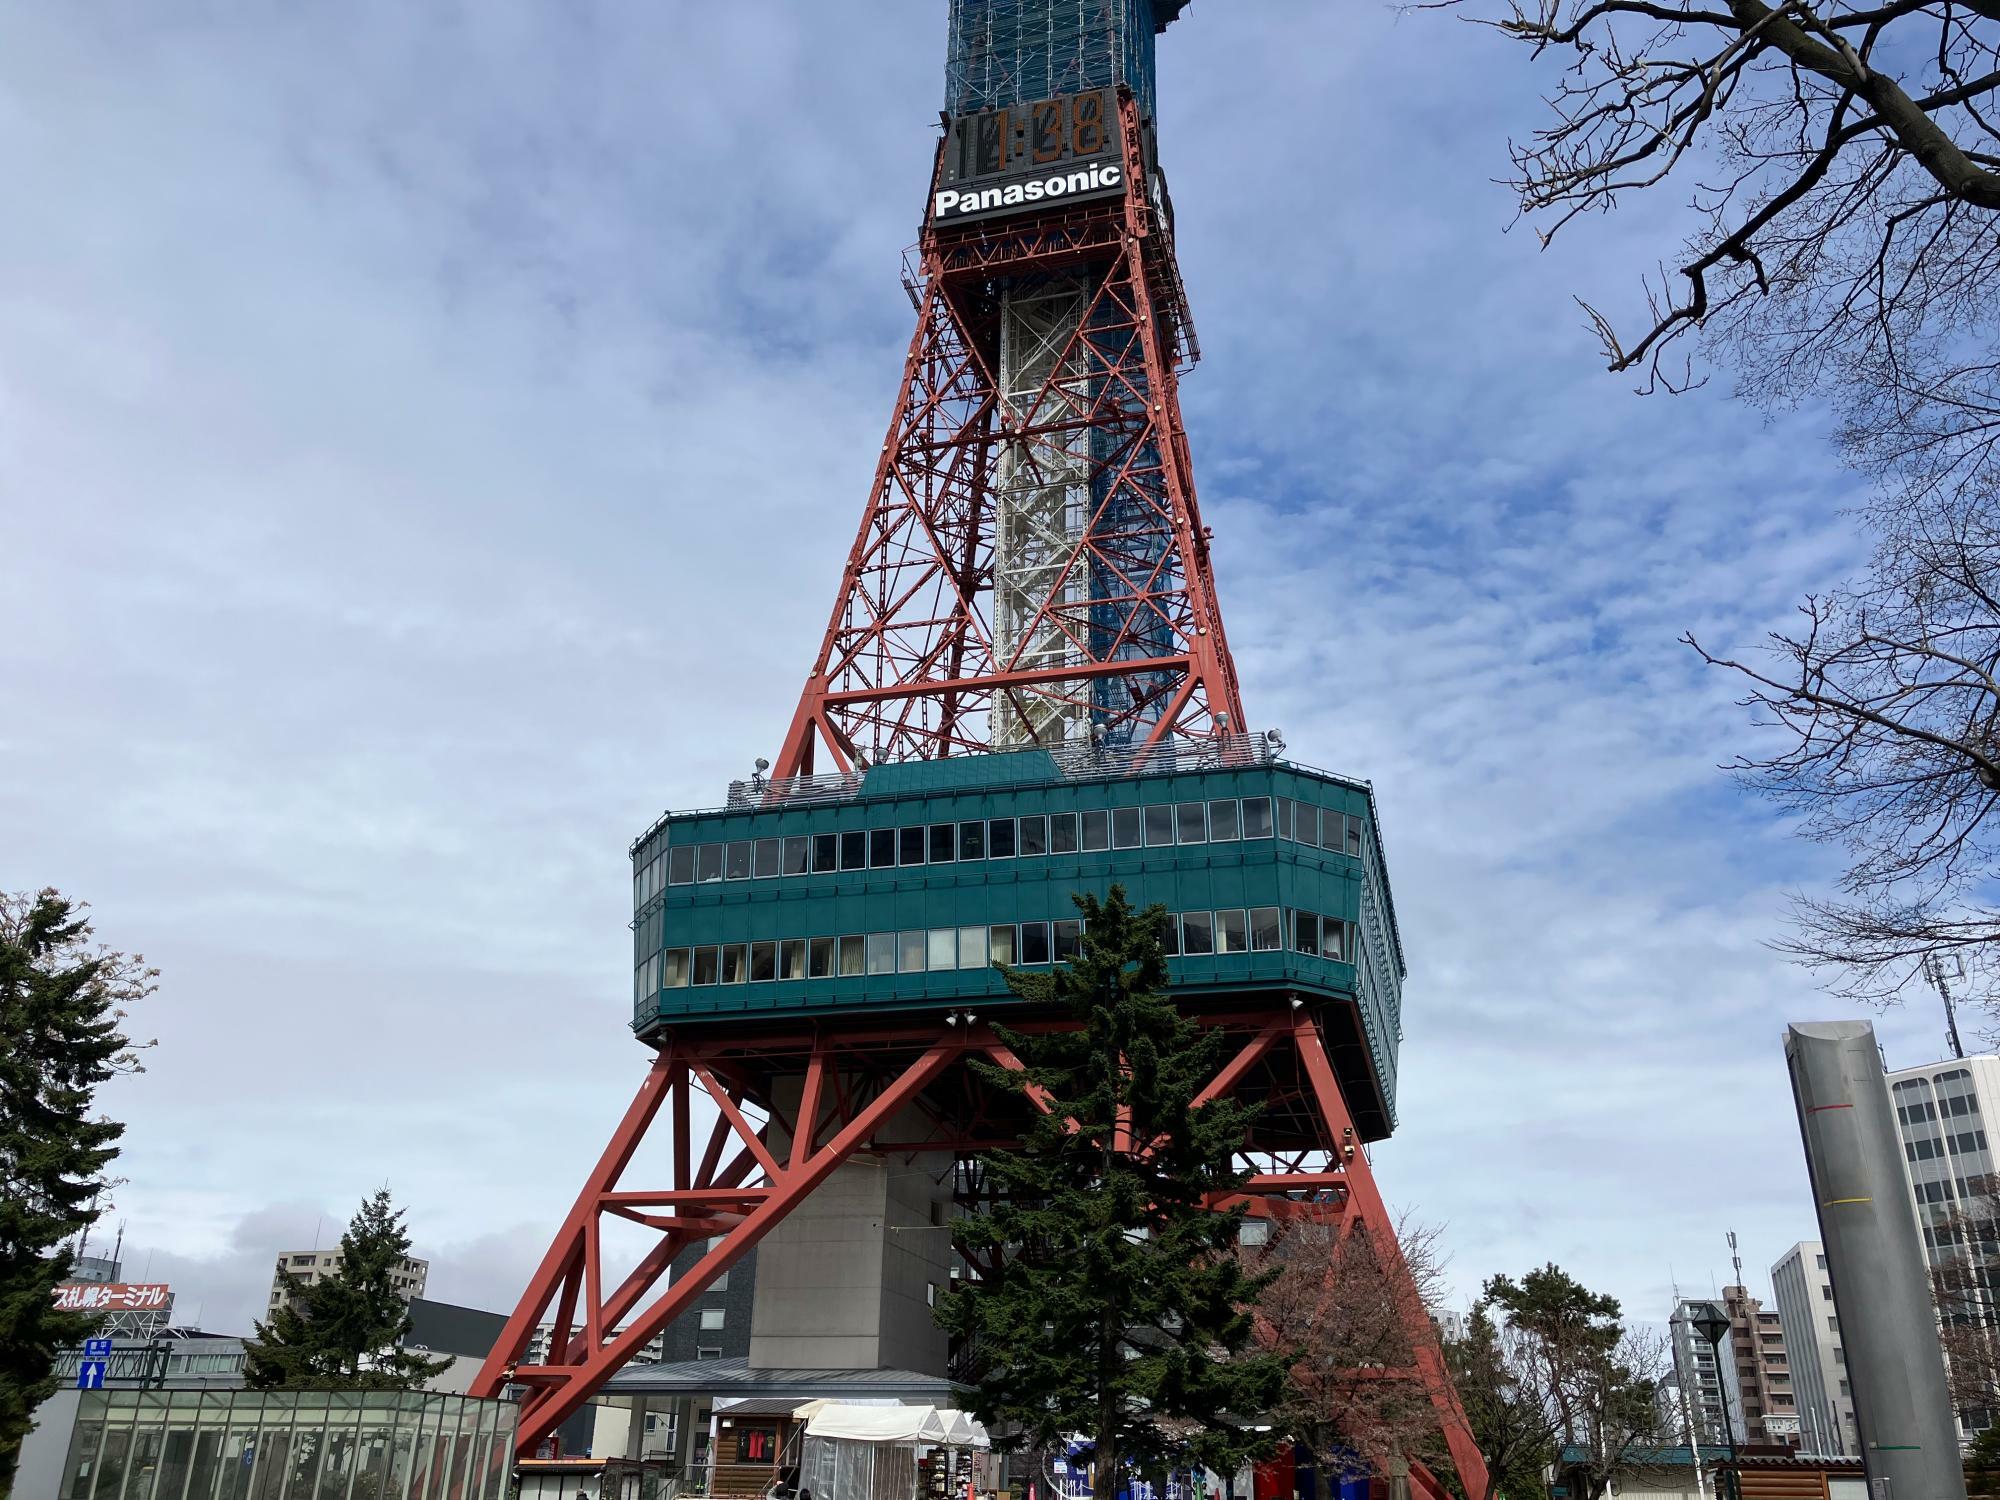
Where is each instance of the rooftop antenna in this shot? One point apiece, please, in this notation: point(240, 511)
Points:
point(118, 1251)
point(1736, 1260)
point(1934, 972)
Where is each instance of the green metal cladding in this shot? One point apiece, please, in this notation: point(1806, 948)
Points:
point(1280, 869)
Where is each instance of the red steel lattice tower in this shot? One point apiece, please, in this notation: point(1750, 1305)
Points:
point(1031, 575)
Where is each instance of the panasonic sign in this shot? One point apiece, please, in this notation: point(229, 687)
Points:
point(969, 202)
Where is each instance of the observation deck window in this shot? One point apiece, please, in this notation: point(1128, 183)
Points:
point(881, 848)
point(881, 953)
point(942, 948)
point(680, 865)
point(972, 947)
point(1305, 933)
point(911, 851)
point(1000, 838)
point(1034, 836)
point(1170, 936)
point(792, 959)
point(852, 961)
point(798, 854)
point(1003, 949)
point(1127, 828)
point(763, 962)
point(1305, 822)
point(1197, 933)
point(854, 849)
point(711, 863)
point(1191, 822)
point(910, 952)
point(944, 843)
point(770, 859)
point(737, 864)
point(1232, 933)
point(820, 959)
point(676, 976)
point(1354, 837)
point(971, 841)
point(1096, 830)
point(735, 963)
point(1062, 833)
point(1067, 940)
point(1034, 943)
point(1256, 817)
point(707, 965)
point(826, 853)
point(1159, 824)
point(1267, 929)
point(1222, 823)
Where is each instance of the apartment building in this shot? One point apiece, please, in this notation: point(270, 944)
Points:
point(1699, 1370)
point(1765, 1408)
point(1824, 1404)
point(304, 1267)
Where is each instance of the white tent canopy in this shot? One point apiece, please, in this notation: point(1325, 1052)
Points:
point(887, 1424)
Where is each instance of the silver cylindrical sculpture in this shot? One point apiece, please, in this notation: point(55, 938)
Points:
point(1881, 1280)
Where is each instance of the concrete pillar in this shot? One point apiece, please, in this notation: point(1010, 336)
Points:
point(1881, 1279)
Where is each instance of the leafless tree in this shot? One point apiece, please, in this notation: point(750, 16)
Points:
point(1885, 705)
point(1841, 164)
point(1363, 1353)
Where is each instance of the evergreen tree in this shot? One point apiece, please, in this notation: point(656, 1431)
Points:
point(61, 1002)
point(1118, 1308)
point(344, 1332)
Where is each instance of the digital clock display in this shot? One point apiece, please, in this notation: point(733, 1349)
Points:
point(1006, 160)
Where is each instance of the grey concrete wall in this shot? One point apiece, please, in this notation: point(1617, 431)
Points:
point(844, 1282)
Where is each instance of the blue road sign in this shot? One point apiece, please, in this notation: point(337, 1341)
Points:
point(97, 1348)
point(90, 1375)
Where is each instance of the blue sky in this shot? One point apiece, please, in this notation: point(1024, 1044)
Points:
point(429, 437)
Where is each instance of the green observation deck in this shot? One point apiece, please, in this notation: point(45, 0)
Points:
point(898, 890)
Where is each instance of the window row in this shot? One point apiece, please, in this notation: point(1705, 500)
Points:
point(1159, 824)
point(1254, 929)
point(1929, 1149)
point(1945, 1108)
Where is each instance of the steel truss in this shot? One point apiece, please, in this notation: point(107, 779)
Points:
point(863, 1085)
point(1108, 625)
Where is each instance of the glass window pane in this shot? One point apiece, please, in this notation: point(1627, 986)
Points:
point(972, 841)
point(854, 849)
point(1191, 822)
point(943, 948)
point(1232, 934)
point(881, 848)
point(678, 968)
point(1096, 831)
point(1267, 929)
point(708, 862)
point(763, 962)
point(1160, 824)
point(881, 953)
point(1170, 935)
point(1000, 945)
point(944, 842)
point(1034, 835)
point(1067, 940)
point(738, 863)
point(851, 960)
point(910, 845)
point(1332, 935)
point(819, 958)
point(910, 952)
point(1305, 932)
point(1062, 833)
point(1127, 828)
point(826, 853)
point(1256, 817)
point(792, 958)
point(1283, 807)
point(1034, 942)
point(1305, 822)
point(1222, 822)
point(1330, 825)
point(770, 858)
point(735, 963)
point(972, 947)
point(707, 965)
point(1354, 835)
point(1197, 932)
point(1000, 839)
point(680, 865)
point(798, 850)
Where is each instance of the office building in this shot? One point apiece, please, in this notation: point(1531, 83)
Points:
point(1804, 1294)
point(1764, 1405)
point(1701, 1374)
point(1941, 1114)
point(304, 1267)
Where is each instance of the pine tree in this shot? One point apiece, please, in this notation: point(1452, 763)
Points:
point(61, 1002)
point(1117, 1308)
point(344, 1332)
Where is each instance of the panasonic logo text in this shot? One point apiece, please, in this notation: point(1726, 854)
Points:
point(951, 202)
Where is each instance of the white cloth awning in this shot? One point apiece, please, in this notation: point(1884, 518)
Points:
point(878, 1424)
